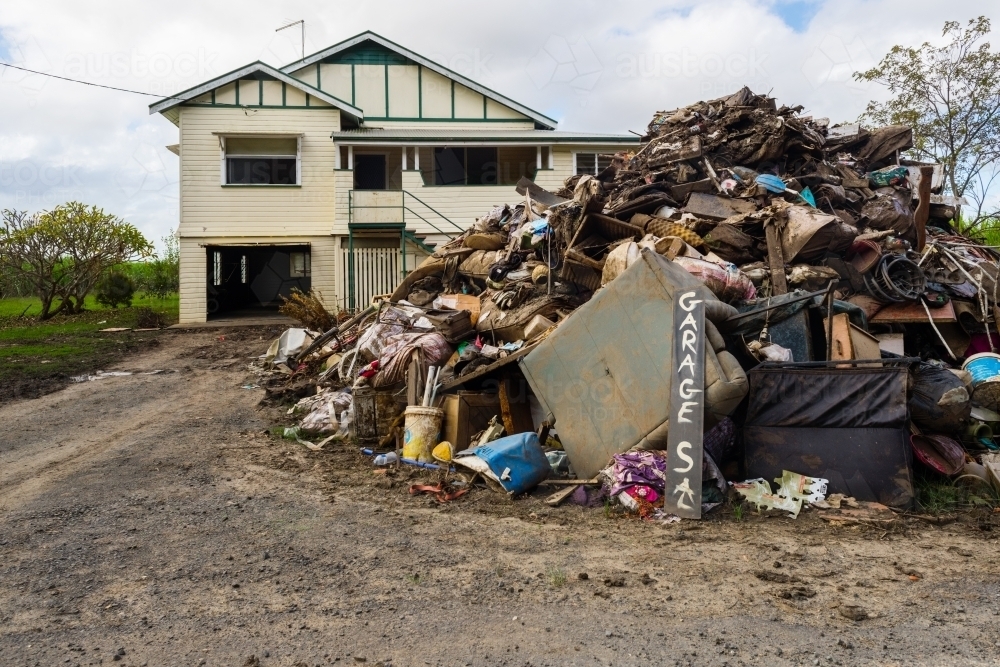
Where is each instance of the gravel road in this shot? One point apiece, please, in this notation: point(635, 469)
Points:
point(150, 520)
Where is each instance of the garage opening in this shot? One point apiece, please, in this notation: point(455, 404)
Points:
point(252, 279)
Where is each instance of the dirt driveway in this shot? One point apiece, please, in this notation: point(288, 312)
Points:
point(149, 520)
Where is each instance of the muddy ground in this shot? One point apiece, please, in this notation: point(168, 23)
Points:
point(150, 520)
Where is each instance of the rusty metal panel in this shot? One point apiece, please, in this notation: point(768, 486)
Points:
point(604, 374)
point(715, 207)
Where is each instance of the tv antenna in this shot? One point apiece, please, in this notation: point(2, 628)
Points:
point(302, 23)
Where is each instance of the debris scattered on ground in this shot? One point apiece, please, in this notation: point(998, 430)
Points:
point(743, 254)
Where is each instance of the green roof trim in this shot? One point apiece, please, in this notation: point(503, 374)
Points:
point(254, 71)
point(370, 43)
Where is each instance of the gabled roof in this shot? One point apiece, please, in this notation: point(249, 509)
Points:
point(257, 67)
point(369, 36)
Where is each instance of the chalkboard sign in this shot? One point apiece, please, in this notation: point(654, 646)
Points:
point(687, 403)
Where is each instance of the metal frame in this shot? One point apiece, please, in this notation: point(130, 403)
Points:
point(400, 227)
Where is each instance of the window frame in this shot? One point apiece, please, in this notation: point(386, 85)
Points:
point(436, 172)
point(597, 163)
point(224, 160)
point(306, 264)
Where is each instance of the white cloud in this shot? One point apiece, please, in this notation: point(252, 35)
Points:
point(594, 66)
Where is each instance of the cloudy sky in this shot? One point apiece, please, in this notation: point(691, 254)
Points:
point(594, 66)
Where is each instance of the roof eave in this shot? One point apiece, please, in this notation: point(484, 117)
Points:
point(257, 66)
point(528, 141)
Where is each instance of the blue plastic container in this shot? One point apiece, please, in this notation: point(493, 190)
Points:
point(985, 370)
point(984, 367)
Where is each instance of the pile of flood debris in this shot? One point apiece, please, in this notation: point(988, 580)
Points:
point(751, 289)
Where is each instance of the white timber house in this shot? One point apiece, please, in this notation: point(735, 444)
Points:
point(342, 171)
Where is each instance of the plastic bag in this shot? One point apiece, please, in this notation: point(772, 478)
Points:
point(940, 402)
point(618, 260)
point(327, 412)
point(289, 344)
point(725, 281)
point(390, 322)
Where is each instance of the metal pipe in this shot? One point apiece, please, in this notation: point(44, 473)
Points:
point(756, 311)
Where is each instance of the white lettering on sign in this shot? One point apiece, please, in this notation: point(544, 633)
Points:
point(684, 439)
point(689, 322)
point(685, 392)
point(685, 409)
point(689, 363)
point(689, 305)
point(688, 339)
point(685, 491)
point(681, 446)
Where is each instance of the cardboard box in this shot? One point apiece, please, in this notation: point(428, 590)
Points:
point(465, 414)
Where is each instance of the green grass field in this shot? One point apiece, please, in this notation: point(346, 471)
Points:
point(36, 357)
point(31, 306)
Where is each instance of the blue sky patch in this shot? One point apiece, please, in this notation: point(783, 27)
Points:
point(797, 14)
point(4, 48)
point(673, 12)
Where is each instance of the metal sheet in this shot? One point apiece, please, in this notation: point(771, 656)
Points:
point(604, 374)
point(715, 207)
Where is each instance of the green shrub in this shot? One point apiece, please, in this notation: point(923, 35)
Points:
point(115, 289)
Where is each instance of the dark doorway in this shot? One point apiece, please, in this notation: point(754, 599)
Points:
point(254, 278)
point(369, 172)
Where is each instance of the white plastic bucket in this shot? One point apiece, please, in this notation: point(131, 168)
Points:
point(421, 430)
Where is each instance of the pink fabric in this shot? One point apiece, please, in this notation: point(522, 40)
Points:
point(980, 343)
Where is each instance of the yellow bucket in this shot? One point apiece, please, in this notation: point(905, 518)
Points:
point(421, 430)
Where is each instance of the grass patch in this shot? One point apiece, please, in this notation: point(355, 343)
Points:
point(556, 577)
point(31, 306)
point(943, 496)
point(39, 357)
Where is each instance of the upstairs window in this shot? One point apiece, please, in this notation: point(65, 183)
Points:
point(592, 163)
point(466, 166)
point(262, 161)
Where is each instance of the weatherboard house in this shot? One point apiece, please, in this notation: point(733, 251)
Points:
point(341, 171)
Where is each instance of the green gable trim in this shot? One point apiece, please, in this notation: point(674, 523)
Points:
point(368, 53)
point(368, 43)
point(256, 71)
